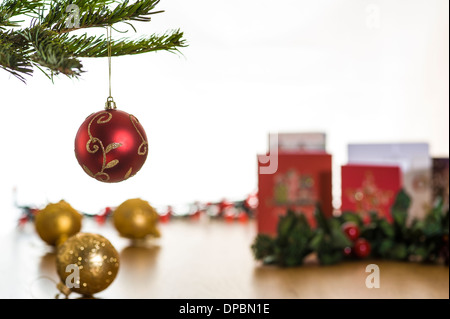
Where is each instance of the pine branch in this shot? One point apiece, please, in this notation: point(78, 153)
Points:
point(51, 53)
point(13, 54)
point(10, 8)
point(98, 14)
point(47, 45)
point(85, 46)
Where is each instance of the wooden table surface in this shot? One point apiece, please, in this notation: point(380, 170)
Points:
point(209, 259)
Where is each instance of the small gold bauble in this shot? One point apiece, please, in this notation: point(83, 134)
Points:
point(57, 222)
point(86, 263)
point(136, 219)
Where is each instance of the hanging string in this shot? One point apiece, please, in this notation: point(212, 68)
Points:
point(110, 104)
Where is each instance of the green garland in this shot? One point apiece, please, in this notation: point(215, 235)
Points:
point(422, 240)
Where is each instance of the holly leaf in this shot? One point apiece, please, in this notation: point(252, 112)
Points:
point(385, 246)
point(352, 217)
point(316, 241)
point(399, 210)
point(338, 238)
point(295, 254)
point(399, 251)
point(445, 222)
point(368, 231)
point(293, 246)
point(263, 246)
point(386, 228)
point(420, 251)
point(415, 229)
point(302, 227)
point(417, 226)
point(285, 225)
point(374, 218)
point(330, 257)
point(432, 228)
point(321, 220)
point(402, 200)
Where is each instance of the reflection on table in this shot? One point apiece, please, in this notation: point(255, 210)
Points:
point(209, 259)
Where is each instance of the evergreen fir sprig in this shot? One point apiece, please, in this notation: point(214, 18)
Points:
point(10, 9)
point(50, 52)
point(48, 44)
point(14, 51)
point(93, 46)
point(98, 13)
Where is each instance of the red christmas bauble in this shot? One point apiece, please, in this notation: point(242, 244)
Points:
point(111, 145)
point(361, 248)
point(351, 230)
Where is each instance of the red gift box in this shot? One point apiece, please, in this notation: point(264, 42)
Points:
point(301, 181)
point(370, 188)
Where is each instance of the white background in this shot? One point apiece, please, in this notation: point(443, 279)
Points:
point(361, 71)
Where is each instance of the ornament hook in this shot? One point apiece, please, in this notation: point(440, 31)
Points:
point(63, 289)
point(110, 104)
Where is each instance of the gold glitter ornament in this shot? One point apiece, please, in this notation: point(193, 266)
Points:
point(136, 219)
point(86, 264)
point(57, 222)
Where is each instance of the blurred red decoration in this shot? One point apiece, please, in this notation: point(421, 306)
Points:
point(28, 214)
point(229, 214)
point(101, 218)
point(212, 209)
point(223, 205)
point(111, 146)
point(231, 211)
point(251, 201)
point(23, 220)
point(243, 217)
point(164, 218)
point(351, 230)
point(196, 214)
point(362, 248)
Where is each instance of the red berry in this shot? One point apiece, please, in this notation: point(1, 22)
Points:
point(347, 251)
point(351, 230)
point(362, 248)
